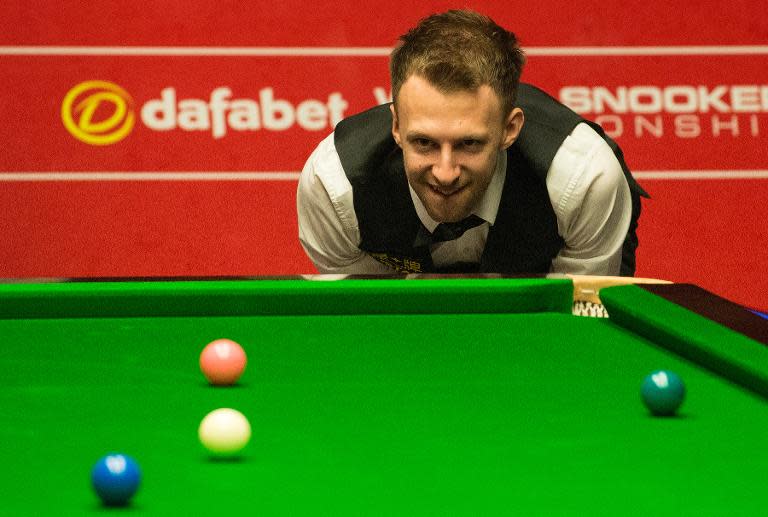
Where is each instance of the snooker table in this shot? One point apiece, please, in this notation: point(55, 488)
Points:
point(436, 396)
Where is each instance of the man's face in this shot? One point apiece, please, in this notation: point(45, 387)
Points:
point(450, 144)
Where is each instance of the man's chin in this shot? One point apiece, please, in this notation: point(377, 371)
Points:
point(446, 209)
point(448, 214)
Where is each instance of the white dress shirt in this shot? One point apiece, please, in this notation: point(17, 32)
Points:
point(586, 186)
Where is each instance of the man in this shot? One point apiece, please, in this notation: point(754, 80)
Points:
point(467, 170)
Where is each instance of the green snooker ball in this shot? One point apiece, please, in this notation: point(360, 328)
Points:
point(662, 392)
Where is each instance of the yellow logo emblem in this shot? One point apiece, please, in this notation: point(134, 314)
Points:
point(78, 112)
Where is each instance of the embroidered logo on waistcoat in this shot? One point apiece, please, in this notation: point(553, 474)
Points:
point(399, 264)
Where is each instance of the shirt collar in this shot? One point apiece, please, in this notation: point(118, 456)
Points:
point(488, 206)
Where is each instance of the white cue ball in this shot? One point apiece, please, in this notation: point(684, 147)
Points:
point(224, 432)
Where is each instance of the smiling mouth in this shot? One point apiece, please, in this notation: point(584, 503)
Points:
point(446, 192)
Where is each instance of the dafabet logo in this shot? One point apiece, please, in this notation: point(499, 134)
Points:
point(98, 112)
point(103, 113)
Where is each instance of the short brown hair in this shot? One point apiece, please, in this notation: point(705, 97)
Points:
point(460, 50)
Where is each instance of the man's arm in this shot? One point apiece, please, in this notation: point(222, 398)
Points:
point(592, 202)
point(328, 227)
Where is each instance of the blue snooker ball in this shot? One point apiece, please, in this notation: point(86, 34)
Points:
point(115, 478)
point(663, 392)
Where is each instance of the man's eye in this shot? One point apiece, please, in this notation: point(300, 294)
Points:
point(422, 143)
point(470, 144)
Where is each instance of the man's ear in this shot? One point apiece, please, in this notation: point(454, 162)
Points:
point(395, 124)
point(512, 127)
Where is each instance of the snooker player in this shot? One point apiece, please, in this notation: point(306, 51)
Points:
point(468, 170)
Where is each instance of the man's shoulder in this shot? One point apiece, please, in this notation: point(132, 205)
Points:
point(376, 119)
point(547, 124)
point(364, 141)
point(541, 109)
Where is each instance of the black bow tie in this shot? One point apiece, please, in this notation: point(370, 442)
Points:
point(447, 231)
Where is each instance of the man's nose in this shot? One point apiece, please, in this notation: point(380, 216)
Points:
point(446, 171)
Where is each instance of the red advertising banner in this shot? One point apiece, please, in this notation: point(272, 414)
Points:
point(260, 113)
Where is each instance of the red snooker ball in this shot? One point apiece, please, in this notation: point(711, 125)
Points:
point(222, 362)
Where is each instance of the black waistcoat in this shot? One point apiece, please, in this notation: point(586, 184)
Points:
point(524, 238)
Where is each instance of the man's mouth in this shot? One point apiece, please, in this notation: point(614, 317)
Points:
point(446, 192)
